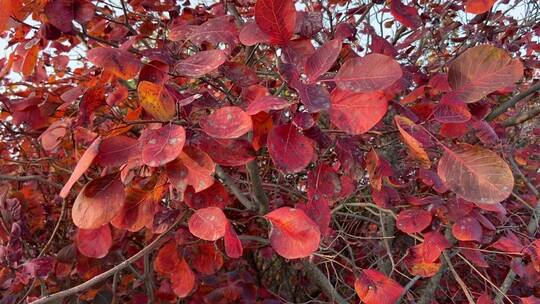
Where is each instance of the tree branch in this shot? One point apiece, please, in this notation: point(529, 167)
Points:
point(512, 102)
point(38, 178)
point(227, 181)
point(258, 192)
point(56, 297)
point(318, 278)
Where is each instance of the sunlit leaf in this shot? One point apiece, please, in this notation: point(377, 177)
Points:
point(467, 229)
point(481, 70)
point(98, 202)
point(163, 145)
point(416, 148)
point(374, 287)
point(276, 18)
point(120, 63)
point(293, 234)
point(84, 163)
point(476, 174)
point(370, 73)
point(478, 6)
point(155, 100)
point(208, 223)
point(227, 122)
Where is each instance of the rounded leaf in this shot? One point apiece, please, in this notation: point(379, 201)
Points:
point(163, 145)
point(481, 70)
point(290, 150)
point(413, 220)
point(201, 63)
point(374, 287)
point(467, 229)
point(98, 202)
point(293, 234)
point(155, 100)
point(208, 224)
point(476, 174)
point(357, 113)
point(277, 19)
point(227, 122)
point(373, 72)
point(120, 63)
point(94, 243)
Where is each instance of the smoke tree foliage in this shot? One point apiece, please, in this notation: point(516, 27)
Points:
point(269, 151)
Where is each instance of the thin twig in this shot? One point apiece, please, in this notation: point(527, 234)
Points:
point(56, 297)
point(227, 181)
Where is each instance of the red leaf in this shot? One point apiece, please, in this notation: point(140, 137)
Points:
point(117, 96)
point(251, 34)
point(167, 258)
point(193, 167)
point(510, 244)
point(413, 220)
point(434, 244)
point(374, 287)
point(478, 6)
point(476, 174)
point(373, 72)
point(201, 63)
point(61, 13)
point(323, 183)
point(84, 163)
point(226, 152)
point(323, 59)
point(163, 145)
point(98, 202)
point(319, 211)
point(117, 150)
point(406, 14)
point(293, 234)
point(357, 113)
point(233, 245)
point(215, 196)
point(182, 279)
point(467, 229)
point(481, 70)
point(417, 263)
point(216, 30)
point(451, 111)
point(290, 150)
point(205, 258)
point(54, 134)
point(407, 128)
point(120, 63)
point(94, 243)
point(208, 223)
point(227, 122)
point(277, 19)
point(266, 103)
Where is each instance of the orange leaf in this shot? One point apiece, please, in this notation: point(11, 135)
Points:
point(98, 202)
point(84, 163)
point(200, 168)
point(293, 234)
point(415, 147)
point(476, 174)
point(155, 100)
point(166, 259)
point(478, 6)
point(182, 279)
point(481, 70)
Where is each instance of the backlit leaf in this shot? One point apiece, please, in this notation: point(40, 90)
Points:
point(155, 100)
point(98, 202)
point(277, 19)
point(208, 223)
point(293, 234)
point(323, 59)
point(481, 70)
point(374, 287)
point(84, 163)
point(201, 63)
point(163, 145)
point(415, 147)
point(406, 14)
point(290, 150)
point(227, 122)
point(476, 174)
point(94, 243)
point(357, 113)
point(216, 30)
point(120, 63)
point(370, 73)
point(478, 6)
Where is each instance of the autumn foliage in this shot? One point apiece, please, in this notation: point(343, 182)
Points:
point(269, 151)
